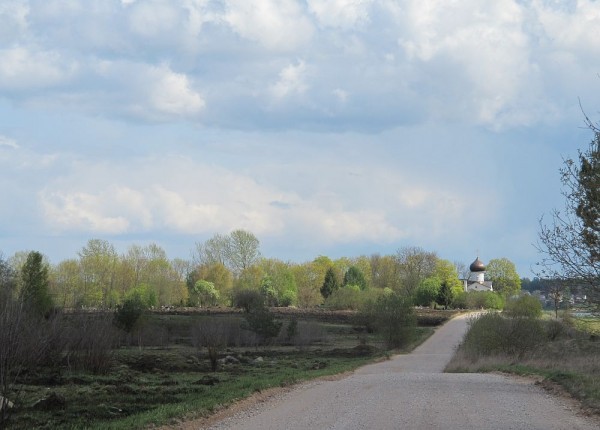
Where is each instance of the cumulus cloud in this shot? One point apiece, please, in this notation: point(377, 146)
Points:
point(279, 25)
point(292, 80)
point(361, 64)
point(27, 68)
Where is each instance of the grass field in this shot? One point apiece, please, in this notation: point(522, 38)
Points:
point(167, 379)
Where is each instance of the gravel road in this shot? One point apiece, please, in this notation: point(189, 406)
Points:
point(411, 392)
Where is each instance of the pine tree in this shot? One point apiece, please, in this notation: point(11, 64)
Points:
point(330, 284)
point(35, 286)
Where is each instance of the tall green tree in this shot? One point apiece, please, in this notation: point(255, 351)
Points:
point(570, 242)
point(503, 274)
point(330, 284)
point(35, 291)
point(354, 276)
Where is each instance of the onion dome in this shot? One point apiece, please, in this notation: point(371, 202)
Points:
point(477, 266)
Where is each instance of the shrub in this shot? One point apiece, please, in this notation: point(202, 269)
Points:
point(206, 293)
point(493, 333)
point(90, 342)
point(478, 300)
point(427, 292)
point(212, 334)
point(393, 316)
point(262, 322)
point(524, 306)
point(349, 297)
point(247, 299)
point(128, 315)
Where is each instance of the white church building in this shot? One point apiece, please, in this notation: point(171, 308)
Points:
point(476, 280)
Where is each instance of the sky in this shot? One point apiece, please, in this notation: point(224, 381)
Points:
point(324, 127)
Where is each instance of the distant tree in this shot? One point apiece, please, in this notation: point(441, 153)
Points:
point(428, 291)
point(308, 279)
point(128, 315)
point(414, 265)
point(98, 261)
point(220, 276)
point(35, 292)
point(384, 272)
point(214, 250)
point(354, 276)
point(393, 316)
point(330, 284)
point(503, 273)
point(570, 243)
point(205, 293)
point(242, 250)
point(446, 294)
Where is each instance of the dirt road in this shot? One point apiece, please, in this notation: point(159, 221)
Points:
point(411, 392)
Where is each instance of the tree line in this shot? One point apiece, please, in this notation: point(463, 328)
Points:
point(223, 267)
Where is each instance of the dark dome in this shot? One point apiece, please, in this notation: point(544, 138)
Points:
point(477, 266)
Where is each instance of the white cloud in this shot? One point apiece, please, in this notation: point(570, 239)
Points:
point(276, 24)
point(13, 20)
point(7, 141)
point(344, 14)
point(171, 93)
point(154, 93)
point(292, 80)
point(81, 211)
point(24, 68)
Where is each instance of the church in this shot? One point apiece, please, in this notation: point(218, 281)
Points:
point(476, 280)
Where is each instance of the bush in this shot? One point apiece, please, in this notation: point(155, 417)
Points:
point(393, 316)
point(427, 292)
point(247, 299)
point(524, 306)
point(128, 315)
point(90, 342)
point(212, 334)
point(478, 300)
point(262, 322)
point(349, 297)
point(493, 333)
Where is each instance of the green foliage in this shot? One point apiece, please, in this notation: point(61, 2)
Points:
point(262, 322)
point(247, 299)
point(330, 284)
point(479, 300)
point(428, 291)
point(503, 273)
point(524, 306)
point(493, 333)
point(268, 291)
point(348, 297)
point(34, 291)
point(393, 317)
point(446, 295)
point(143, 293)
point(205, 293)
point(128, 315)
point(354, 276)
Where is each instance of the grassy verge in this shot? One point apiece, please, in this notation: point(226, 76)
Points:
point(568, 355)
point(158, 385)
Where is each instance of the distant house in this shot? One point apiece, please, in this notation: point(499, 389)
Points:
point(476, 280)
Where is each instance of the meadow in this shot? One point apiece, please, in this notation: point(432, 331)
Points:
point(159, 374)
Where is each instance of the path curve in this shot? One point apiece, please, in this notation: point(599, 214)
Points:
point(412, 392)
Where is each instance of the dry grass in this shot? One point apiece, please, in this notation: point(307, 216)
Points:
point(570, 358)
